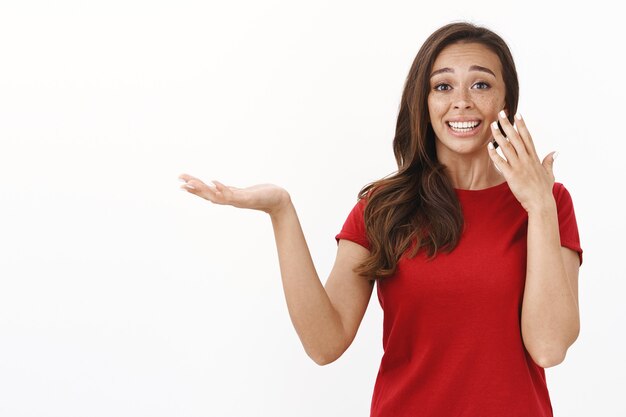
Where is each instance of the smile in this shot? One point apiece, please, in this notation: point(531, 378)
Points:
point(464, 127)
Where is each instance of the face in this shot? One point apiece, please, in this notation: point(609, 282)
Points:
point(466, 93)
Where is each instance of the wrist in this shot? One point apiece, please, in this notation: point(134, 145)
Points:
point(283, 206)
point(542, 207)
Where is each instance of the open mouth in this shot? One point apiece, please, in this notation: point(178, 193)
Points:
point(464, 127)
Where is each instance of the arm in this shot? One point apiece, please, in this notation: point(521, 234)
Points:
point(550, 319)
point(326, 319)
point(550, 313)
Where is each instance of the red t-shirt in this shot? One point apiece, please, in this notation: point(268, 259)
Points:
point(451, 331)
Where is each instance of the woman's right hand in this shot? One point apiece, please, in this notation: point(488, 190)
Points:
point(265, 197)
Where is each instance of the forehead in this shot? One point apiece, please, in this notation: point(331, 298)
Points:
point(464, 55)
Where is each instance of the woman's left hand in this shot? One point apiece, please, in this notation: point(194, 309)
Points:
point(530, 180)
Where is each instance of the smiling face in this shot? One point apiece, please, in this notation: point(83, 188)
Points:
point(466, 93)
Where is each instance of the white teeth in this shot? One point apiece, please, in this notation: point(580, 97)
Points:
point(464, 125)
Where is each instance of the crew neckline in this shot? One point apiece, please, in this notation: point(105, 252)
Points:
point(483, 190)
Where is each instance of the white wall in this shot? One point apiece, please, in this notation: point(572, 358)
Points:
point(120, 295)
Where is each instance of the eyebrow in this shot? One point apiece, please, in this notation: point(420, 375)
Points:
point(472, 68)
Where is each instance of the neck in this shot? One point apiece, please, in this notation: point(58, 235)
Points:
point(472, 173)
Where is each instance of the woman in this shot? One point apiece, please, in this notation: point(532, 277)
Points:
point(476, 256)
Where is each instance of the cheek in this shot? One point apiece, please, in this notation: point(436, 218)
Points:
point(436, 109)
point(490, 104)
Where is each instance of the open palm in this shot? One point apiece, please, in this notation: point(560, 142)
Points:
point(264, 197)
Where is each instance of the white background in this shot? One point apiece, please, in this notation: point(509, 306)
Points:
point(121, 295)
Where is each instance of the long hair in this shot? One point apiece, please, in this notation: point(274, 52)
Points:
point(417, 204)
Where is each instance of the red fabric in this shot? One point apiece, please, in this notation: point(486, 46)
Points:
point(451, 331)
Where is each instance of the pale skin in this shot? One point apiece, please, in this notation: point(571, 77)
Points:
point(468, 83)
point(327, 317)
point(550, 313)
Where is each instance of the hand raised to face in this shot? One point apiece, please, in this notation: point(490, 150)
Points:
point(530, 179)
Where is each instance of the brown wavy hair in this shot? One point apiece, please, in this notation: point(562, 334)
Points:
point(417, 204)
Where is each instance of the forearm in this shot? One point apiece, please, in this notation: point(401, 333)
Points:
point(315, 319)
point(550, 319)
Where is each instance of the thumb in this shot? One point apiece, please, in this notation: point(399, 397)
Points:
point(548, 161)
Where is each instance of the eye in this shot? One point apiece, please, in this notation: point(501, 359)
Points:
point(481, 85)
point(442, 87)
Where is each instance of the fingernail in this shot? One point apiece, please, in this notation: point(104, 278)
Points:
point(554, 155)
point(191, 187)
point(181, 180)
point(494, 125)
point(502, 114)
point(518, 116)
point(490, 145)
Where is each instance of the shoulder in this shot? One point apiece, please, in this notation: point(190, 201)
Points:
point(560, 192)
point(557, 188)
point(564, 202)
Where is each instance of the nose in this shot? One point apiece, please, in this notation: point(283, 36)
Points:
point(462, 99)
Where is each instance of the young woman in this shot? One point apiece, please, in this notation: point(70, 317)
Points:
point(475, 256)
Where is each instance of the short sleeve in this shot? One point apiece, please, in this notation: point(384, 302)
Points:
point(568, 228)
point(354, 227)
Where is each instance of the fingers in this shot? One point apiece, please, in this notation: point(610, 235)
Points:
point(513, 137)
point(190, 182)
point(507, 148)
point(525, 135)
point(219, 186)
point(199, 188)
point(499, 162)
